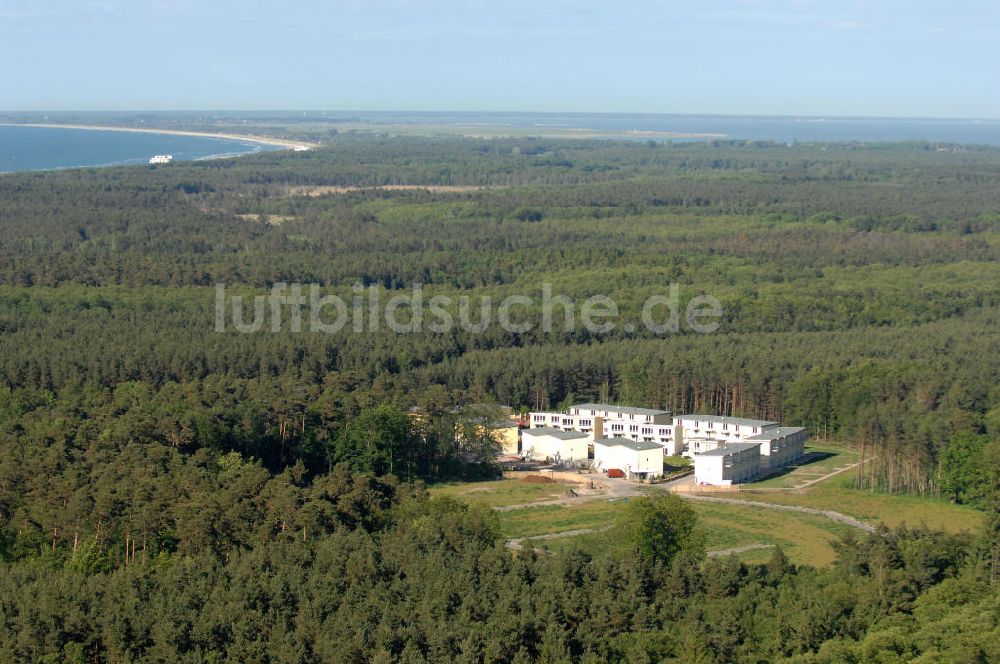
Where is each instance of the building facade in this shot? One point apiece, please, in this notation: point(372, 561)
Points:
point(549, 444)
point(780, 446)
point(728, 464)
point(637, 459)
point(729, 450)
point(646, 425)
point(773, 446)
point(701, 433)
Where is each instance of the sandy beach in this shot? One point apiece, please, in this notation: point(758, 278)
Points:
point(249, 138)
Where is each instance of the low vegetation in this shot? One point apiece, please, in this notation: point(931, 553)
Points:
point(806, 539)
point(819, 462)
point(500, 493)
point(876, 507)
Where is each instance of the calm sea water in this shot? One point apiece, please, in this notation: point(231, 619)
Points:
point(43, 148)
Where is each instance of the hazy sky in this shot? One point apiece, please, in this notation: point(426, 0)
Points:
point(822, 57)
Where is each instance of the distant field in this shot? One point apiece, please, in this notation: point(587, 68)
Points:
point(820, 460)
point(478, 130)
point(890, 509)
point(498, 493)
point(545, 519)
point(806, 539)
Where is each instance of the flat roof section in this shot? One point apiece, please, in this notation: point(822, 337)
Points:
point(731, 448)
point(630, 410)
point(742, 421)
point(779, 432)
point(638, 446)
point(555, 433)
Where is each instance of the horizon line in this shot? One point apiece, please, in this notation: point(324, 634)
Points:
point(509, 112)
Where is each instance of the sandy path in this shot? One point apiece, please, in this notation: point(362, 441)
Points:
point(545, 503)
point(829, 475)
point(517, 543)
point(249, 138)
point(720, 553)
point(828, 514)
point(805, 484)
point(612, 489)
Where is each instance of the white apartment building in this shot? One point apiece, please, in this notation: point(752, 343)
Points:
point(630, 413)
point(701, 433)
point(780, 446)
point(729, 450)
point(637, 459)
point(550, 444)
point(645, 425)
point(728, 464)
point(693, 435)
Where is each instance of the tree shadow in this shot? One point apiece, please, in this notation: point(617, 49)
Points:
point(807, 459)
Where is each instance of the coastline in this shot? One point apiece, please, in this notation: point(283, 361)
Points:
point(248, 138)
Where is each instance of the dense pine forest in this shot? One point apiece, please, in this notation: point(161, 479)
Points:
point(173, 493)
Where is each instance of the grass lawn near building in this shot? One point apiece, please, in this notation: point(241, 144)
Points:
point(548, 519)
point(676, 462)
point(501, 493)
point(819, 461)
point(805, 539)
point(838, 494)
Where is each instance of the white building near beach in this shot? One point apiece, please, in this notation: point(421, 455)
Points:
point(161, 159)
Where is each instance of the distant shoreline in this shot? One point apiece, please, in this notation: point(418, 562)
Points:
point(248, 138)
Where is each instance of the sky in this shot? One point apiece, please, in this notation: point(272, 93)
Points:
point(894, 58)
